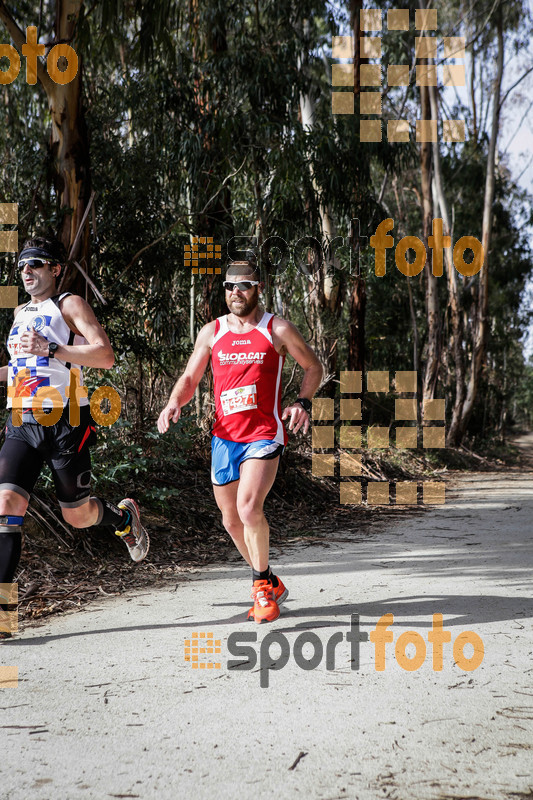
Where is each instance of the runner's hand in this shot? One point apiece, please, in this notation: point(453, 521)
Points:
point(299, 418)
point(33, 343)
point(170, 412)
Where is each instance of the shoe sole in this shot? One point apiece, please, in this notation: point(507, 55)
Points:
point(283, 597)
point(260, 621)
point(130, 500)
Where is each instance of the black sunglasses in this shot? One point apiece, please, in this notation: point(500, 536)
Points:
point(243, 286)
point(34, 263)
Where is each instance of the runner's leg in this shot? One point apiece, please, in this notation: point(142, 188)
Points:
point(257, 478)
point(71, 471)
point(12, 509)
point(70, 463)
point(20, 465)
point(226, 499)
point(12, 506)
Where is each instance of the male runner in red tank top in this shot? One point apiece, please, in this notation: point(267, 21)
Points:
point(247, 349)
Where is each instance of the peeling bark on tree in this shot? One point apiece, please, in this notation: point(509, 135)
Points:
point(356, 325)
point(482, 303)
point(454, 305)
point(68, 139)
point(432, 298)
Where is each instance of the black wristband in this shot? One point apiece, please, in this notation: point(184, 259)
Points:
point(305, 404)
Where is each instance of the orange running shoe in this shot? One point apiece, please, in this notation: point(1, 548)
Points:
point(265, 607)
point(280, 592)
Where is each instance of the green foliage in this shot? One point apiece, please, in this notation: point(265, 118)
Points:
point(194, 127)
point(120, 461)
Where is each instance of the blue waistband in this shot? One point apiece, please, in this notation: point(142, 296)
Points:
point(9, 520)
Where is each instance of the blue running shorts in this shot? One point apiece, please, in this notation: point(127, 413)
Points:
point(227, 457)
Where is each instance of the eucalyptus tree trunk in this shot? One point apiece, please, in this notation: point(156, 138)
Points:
point(480, 327)
point(69, 146)
point(324, 286)
point(454, 305)
point(431, 366)
point(466, 388)
point(356, 325)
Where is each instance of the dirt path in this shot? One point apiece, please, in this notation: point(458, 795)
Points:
point(107, 705)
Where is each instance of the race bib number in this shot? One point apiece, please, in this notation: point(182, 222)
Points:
point(243, 398)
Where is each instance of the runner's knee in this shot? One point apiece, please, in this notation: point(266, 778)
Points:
point(12, 503)
point(250, 512)
point(233, 525)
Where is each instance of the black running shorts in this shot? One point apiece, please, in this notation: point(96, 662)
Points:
point(63, 447)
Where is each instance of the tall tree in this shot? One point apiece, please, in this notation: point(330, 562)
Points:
point(69, 148)
point(432, 299)
point(482, 298)
point(357, 302)
point(324, 282)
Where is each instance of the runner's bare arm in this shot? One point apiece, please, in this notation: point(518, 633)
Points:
point(185, 387)
point(292, 341)
point(80, 318)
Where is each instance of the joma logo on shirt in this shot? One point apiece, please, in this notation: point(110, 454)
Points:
point(240, 341)
point(236, 358)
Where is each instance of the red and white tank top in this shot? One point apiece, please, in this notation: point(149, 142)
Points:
point(247, 377)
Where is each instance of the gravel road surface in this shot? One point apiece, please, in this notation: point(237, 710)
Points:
point(109, 706)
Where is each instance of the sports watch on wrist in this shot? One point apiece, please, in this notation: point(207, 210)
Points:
point(305, 403)
point(52, 347)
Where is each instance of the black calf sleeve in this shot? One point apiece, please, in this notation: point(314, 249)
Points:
point(10, 549)
point(110, 514)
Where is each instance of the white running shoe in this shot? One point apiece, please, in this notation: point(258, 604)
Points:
point(134, 535)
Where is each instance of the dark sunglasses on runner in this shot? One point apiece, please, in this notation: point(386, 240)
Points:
point(34, 263)
point(243, 286)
